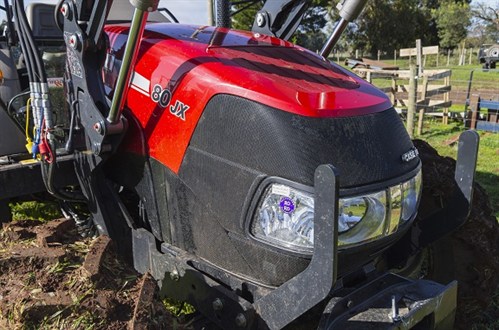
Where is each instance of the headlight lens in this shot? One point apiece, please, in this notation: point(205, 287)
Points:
point(368, 227)
point(286, 218)
point(411, 190)
point(285, 215)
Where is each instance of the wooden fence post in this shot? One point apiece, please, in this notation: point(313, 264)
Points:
point(422, 109)
point(419, 51)
point(448, 57)
point(411, 107)
point(474, 102)
point(445, 118)
point(395, 56)
point(393, 94)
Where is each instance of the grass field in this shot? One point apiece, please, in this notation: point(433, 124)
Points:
point(441, 137)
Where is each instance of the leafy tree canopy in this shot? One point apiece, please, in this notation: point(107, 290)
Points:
point(388, 25)
point(453, 20)
point(384, 25)
point(485, 29)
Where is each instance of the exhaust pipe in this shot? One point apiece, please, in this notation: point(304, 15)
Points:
point(222, 13)
point(349, 11)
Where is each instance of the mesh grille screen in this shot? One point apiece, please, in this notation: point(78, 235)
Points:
point(366, 149)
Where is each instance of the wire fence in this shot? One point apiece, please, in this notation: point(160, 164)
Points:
point(458, 57)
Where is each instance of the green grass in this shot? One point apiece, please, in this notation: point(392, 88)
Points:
point(35, 210)
point(487, 172)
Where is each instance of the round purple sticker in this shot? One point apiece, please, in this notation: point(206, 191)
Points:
point(287, 205)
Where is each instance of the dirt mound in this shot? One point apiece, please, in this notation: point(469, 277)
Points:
point(475, 244)
point(51, 278)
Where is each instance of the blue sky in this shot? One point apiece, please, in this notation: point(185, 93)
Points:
point(186, 11)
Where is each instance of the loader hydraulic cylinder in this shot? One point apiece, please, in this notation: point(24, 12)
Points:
point(142, 9)
point(349, 11)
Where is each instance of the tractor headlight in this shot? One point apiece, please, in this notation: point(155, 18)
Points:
point(285, 215)
point(369, 225)
point(286, 218)
point(410, 200)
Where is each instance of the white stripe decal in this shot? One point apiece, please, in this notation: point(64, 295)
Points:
point(140, 83)
point(139, 90)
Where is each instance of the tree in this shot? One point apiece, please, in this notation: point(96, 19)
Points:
point(244, 14)
point(453, 20)
point(388, 25)
point(311, 33)
point(485, 23)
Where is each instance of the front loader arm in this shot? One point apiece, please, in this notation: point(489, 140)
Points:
point(102, 125)
point(281, 18)
point(83, 33)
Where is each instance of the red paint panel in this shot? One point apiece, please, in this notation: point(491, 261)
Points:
point(195, 63)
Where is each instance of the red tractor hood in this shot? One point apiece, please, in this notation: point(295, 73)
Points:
point(180, 68)
point(258, 67)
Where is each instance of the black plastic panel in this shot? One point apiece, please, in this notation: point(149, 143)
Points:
point(238, 143)
point(366, 149)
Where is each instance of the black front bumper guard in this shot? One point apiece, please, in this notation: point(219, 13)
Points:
point(387, 302)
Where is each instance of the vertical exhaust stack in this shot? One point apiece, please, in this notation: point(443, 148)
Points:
point(349, 11)
point(222, 13)
point(142, 10)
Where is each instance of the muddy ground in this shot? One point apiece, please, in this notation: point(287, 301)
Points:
point(474, 257)
point(51, 278)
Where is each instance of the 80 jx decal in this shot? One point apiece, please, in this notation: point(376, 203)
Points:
point(163, 97)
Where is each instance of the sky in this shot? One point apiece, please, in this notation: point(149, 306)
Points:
point(186, 11)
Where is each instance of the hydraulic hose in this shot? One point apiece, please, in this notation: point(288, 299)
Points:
point(40, 97)
point(48, 172)
point(28, 55)
point(34, 83)
point(28, 34)
point(40, 86)
point(24, 49)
